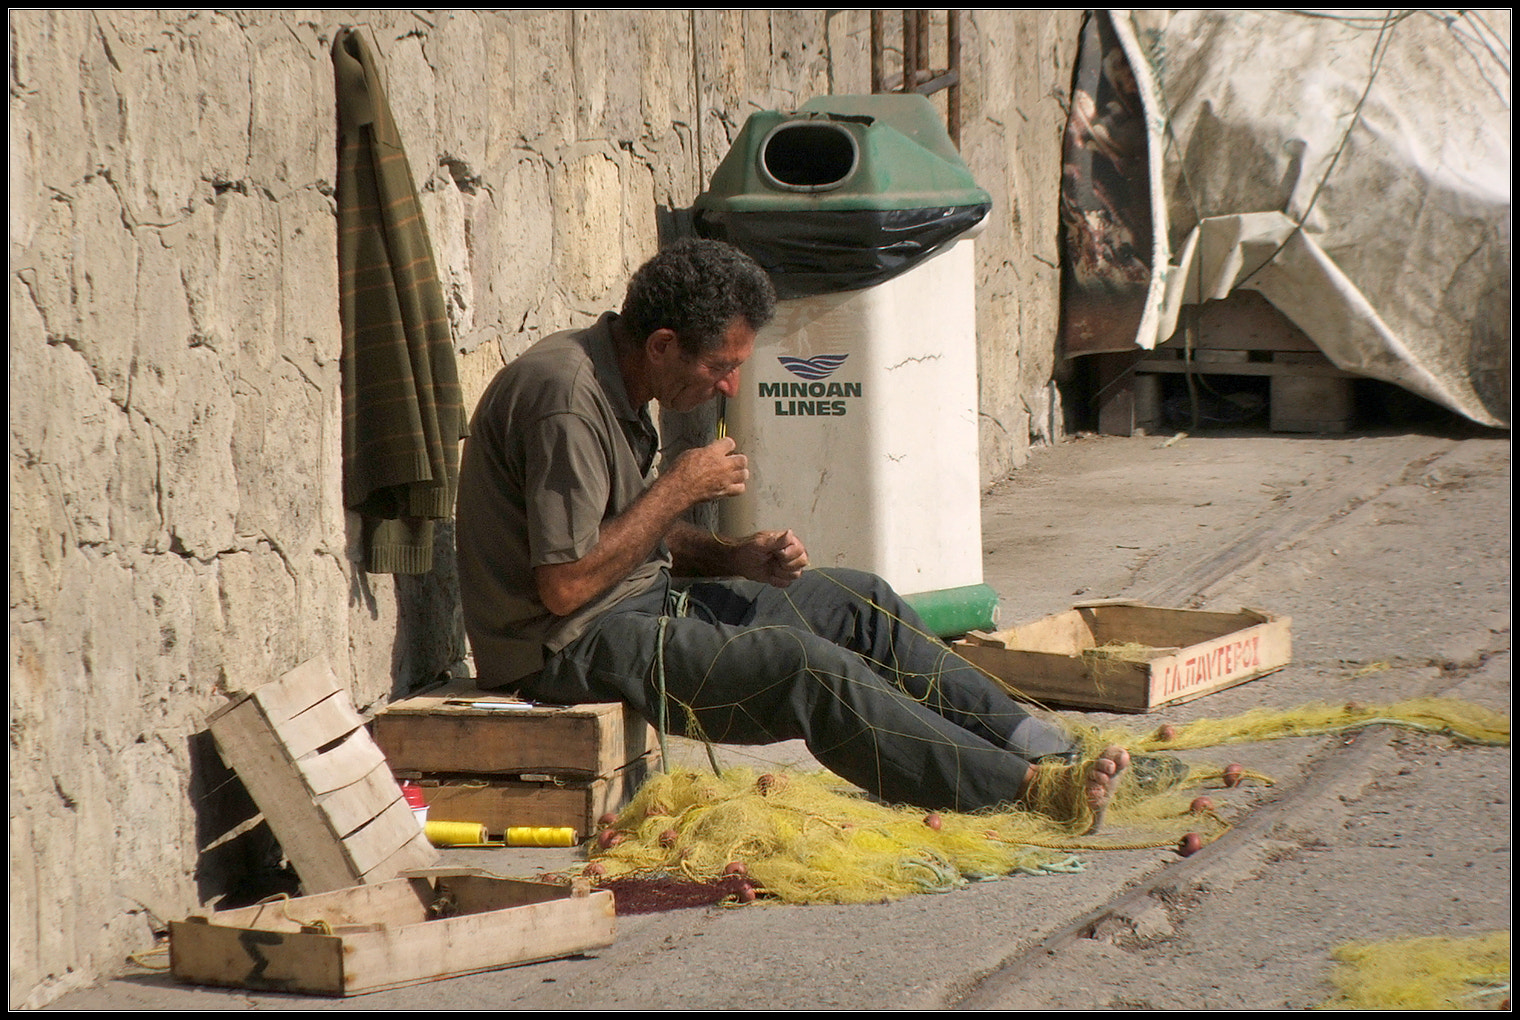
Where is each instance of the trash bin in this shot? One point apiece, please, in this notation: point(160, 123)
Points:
point(859, 407)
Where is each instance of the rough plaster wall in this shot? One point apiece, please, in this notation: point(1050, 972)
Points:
point(1017, 66)
point(176, 531)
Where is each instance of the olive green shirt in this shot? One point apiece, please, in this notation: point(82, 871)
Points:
point(555, 449)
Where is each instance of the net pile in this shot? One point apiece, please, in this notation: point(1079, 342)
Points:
point(1426, 973)
point(812, 838)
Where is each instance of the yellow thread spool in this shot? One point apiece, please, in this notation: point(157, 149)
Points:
point(540, 835)
point(454, 833)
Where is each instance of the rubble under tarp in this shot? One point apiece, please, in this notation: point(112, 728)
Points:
point(1352, 168)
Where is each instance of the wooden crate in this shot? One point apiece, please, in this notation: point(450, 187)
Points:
point(402, 932)
point(500, 804)
point(1060, 660)
point(458, 728)
point(322, 784)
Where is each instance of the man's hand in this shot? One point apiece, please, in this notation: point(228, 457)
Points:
point(774, 557)
point(709, 472)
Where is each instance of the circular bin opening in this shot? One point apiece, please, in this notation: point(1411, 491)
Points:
point(808, 156)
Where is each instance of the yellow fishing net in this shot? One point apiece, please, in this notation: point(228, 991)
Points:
point(812, 838)
point(1427, 973)
point(1464, 720)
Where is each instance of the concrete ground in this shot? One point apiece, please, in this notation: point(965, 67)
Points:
point(1392, 555)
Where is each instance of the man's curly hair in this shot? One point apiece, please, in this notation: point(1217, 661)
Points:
point(697, 288)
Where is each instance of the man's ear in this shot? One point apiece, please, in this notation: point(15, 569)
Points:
point(662, 343)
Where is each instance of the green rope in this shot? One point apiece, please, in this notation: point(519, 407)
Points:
point(679, 607)
point(661, 722)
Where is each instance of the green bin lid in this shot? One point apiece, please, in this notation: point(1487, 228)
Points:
point(843, 153)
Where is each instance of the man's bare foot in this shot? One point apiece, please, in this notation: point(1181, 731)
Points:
point(1075, 792)
point(1098, 786)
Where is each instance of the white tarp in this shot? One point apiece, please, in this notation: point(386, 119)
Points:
point(1385, 136)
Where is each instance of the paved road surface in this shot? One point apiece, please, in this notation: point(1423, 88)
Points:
point(1390, 552)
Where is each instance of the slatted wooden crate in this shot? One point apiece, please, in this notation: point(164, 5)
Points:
point(459, 728)
point(494, 759)
point(406, 931)
point(320, 781)
point(1173, 655)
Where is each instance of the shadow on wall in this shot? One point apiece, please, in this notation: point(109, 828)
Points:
point(430, 638)
point(238, 859)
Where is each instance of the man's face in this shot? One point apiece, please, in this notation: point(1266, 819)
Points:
point(689, 382)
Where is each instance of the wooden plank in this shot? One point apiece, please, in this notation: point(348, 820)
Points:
point(1065, 680)
point(501, 804)
point(329, 720)
point(1047, 678)
point(1246, 320)
point(252, 748)
point(1160, 628)
point(639, 739)
point(394, 903)
point(449, 947)
point(355, 805)
point(982, 639)
point(415, 853)
point(298, 689)
point(444, 732)
point(378, 840)
point(478, 894)
point(349, 762)
point(1116, 391)
point(1309, 405)
point(307, 685)
point(207, 954)
point(1062, 634)
point(1223, 662)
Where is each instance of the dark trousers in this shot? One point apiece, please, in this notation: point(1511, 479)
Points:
point(836, 659)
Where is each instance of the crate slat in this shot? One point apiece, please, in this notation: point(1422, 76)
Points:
point(346, 764)
point(478, 942)
point(354, 806)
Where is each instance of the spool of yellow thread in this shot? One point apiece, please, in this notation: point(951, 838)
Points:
point(540, 835)
point(454, 833)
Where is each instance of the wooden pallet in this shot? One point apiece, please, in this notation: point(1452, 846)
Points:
point(321, 782)
point(1241, 335)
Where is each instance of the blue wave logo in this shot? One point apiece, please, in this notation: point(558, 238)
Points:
point(813, 369)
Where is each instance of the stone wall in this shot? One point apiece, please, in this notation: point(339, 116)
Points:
point(177, 534)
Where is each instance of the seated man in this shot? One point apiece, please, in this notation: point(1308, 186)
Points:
point(568, 540)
